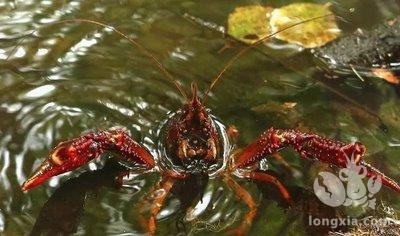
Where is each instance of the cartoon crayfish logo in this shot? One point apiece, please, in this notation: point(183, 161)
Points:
point(333, 192)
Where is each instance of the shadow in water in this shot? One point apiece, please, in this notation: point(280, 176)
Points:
point(61, 214)
point(188, 191)
point(306, 205)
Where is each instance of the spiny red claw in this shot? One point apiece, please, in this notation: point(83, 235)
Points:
point(72, 154)
point(310, 146)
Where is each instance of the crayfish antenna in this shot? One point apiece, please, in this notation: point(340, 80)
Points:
point(374, 172)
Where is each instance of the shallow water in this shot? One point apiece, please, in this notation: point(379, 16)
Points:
point(69, 79)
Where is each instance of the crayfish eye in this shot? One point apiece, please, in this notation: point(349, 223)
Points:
point(59, 155)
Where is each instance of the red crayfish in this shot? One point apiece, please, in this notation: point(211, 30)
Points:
point(196, 144)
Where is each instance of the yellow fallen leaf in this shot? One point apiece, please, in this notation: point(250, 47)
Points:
point(309, 35)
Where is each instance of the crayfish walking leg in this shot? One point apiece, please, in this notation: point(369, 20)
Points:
point(246, 197)
point(267, 178)
point(158, 203)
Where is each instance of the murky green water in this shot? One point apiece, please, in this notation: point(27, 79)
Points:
point(72, 78)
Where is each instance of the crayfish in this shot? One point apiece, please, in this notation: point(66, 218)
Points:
point(195, 143)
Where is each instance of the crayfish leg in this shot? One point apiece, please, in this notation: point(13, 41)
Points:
point(245, 196)
point(269, 179)
point(156, 205)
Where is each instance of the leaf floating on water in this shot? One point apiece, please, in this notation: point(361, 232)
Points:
point(386, 75)
point(309, 35)
point(249, 23)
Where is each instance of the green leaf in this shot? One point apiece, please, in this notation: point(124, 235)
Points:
point(250, 23)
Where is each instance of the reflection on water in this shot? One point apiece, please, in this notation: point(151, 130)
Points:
point(69, 79)
point(62, 212)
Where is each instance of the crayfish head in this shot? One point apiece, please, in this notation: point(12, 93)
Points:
point(196, 141)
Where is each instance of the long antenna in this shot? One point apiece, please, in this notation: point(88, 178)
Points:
point(245, 49)
point(134, 42)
